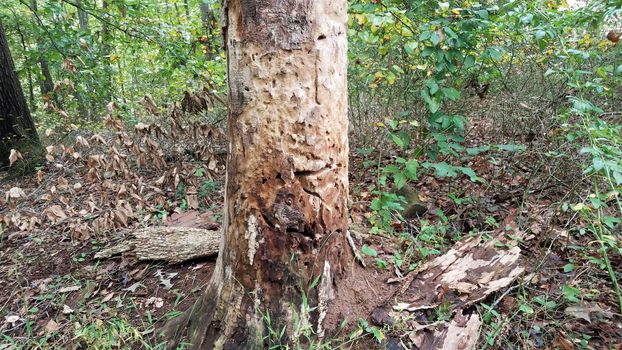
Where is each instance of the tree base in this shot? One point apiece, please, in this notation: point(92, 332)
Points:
point(215, 320)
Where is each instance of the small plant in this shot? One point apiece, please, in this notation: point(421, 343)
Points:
point(108, 335)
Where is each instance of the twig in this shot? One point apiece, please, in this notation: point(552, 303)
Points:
point(357, 255)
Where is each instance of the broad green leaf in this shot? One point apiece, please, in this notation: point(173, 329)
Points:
point(451, 93)
point(367, 250)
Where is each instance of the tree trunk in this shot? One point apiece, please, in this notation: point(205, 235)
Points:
point(46, 83)
point(287, 177)
point(17, 130)
point(107, 92)
point(187, 8)
point(83, 17)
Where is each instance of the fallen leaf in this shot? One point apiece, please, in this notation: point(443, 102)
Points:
point(108, 297)
point(165, 278)
point(55, 213)
point(67, 310)
point(14, 156)
point(14, 193)
point(51, 327)
point(584, 311)
point(69, 289)
point(134, 287)
point(11, 319)
point(156, 302)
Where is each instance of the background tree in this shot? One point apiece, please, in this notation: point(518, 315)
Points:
point(285, 246)
point(17, 130)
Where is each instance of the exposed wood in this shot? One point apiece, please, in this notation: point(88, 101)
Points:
point(170, 244)
point(469, 272)
point(461, 333)
point(287, 176)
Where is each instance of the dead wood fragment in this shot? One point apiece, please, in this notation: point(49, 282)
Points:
point(459, 334)
point(469, 272)
point(170, 244)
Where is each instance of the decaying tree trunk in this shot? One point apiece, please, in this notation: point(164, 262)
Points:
point(287, 175)
point(17, 129)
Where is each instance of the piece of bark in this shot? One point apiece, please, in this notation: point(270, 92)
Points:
point(170, 244)
point(469, 272)
point(461, 333)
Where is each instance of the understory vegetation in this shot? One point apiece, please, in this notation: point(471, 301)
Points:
point(494, 120)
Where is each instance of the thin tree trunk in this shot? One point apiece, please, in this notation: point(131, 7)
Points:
point(46, 82)
point(207, 19)
point(287, 177)
point(187, 8)
point(82, 96)
point(83, 17)
point(106, 52)
point(31, 90)
point(17, 129)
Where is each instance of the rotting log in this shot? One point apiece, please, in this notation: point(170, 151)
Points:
point(171, 244)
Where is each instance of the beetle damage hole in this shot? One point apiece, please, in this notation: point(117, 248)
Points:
point(321, 37)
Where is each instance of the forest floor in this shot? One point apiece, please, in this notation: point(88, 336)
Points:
point(54, 294)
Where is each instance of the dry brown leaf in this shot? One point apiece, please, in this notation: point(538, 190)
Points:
point(67, 310)
point(69, 289)
point(51, 326)
point(83, 45)
point(14, 193)
point(55, 214)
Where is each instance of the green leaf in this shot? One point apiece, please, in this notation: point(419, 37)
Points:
point(435, 38)
point(314, 283)
point(410, 47)
point(442, 169)
point(411, 169)
point(451, 94)
point(432, 86)
point(397, 140)
point(469, 61)
point(526, 308)
point(470, 173)
point(400, 180)
point(367, 250)
point(433, 104)
point(568, 267)
point(571, 293)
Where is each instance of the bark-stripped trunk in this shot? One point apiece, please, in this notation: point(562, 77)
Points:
point(287, 175)
point(17, 130)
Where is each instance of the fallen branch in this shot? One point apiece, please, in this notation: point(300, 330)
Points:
point(170, 244)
